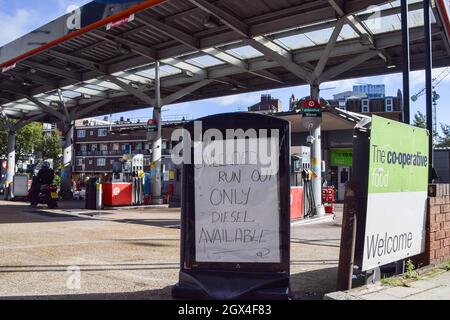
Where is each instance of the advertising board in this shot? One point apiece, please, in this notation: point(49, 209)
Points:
point(397, 193)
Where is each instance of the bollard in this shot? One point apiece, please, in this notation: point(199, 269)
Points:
point(99, 197)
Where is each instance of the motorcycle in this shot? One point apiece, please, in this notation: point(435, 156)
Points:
point(48, 194)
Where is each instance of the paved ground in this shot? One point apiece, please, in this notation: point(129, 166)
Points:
point(434, 286)
point(127, 254)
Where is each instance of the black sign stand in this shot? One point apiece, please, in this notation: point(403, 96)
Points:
point(224, 281)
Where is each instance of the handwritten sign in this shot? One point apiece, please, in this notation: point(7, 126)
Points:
point(237, 213)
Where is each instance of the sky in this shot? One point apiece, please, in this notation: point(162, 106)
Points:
point(19, 17)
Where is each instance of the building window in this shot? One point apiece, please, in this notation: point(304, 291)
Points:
point(102, 132)
point(94, 147)
point(389, 105)
point(103, 147)
point(116, 147)
point(101, 162)
point(80, 162)
point(84, 147)
point(81, 134)
point(90, 162)
point(365, 105)
point(91, 133)
point(139, 146)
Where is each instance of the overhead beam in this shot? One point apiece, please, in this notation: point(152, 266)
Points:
point(23, 123)
point(52, 70)
point(279, 55)
point(79, 114)
point(346, 66)
point(328, 49)
point(170, 32)
point(137, 93)
point(72, 58)
point(185, 91)
point(45, 108)
point(224, 17)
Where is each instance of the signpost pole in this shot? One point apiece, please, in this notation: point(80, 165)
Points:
point(157, 144)
point(406, 62)
point(11, 157)
point(316, 159)
point(66, 172)
point(429, 83)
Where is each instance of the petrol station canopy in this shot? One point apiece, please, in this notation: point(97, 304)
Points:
point(101, 58)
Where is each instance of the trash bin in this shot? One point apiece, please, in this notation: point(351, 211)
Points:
point(91, 194)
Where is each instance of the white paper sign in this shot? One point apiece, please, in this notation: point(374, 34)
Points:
point(237, 214)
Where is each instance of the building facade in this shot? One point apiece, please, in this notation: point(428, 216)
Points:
point(373, 91)
point(98, 145)
point(267, 105)
point(388, 106)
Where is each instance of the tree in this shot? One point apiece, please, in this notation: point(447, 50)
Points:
point(26, 141)
point(420, 120)
point(50, 148)
point(444, 140)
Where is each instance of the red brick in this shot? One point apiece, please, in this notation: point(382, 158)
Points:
point(445, 208)
point(435, 226)
point(435, 245)
point(446, 225)
point(447, 233)
point(435, 210)
point(439, 218)
point(446, 251)
point(440, 253)
point(432, 254)
point(447, 242)
point(447, 216)
point(440, 235)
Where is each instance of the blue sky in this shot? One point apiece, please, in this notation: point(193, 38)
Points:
point(22, 16)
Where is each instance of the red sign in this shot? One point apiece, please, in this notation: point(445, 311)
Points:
point(296, 203)
point(308, 104)
point(7, 68)
point(117, 194)
point(120, 22)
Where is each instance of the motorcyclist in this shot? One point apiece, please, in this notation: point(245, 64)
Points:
point(45, 176)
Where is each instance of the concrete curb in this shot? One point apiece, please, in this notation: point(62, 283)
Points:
point(326, 218)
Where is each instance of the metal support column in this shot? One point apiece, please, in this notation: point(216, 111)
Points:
point(156, 188)
point(11, 157)
point(406, 62)
point(429, 83)
point(66, 171)
point(316, 159)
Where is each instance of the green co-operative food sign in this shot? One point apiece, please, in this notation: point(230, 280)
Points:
point(397, 192)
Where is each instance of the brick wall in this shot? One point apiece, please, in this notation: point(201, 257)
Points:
point(438, 226)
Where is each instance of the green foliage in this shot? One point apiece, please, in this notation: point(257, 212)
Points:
point(50, 148)
point(420, 120)
point(444, 140)
point(410, 270)
point(26, 141)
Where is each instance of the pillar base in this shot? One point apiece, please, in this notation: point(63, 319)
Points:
point(320, 211)
point(157, 201)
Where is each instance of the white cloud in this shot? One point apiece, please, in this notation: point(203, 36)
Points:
point(14, 26)
point(239, 100)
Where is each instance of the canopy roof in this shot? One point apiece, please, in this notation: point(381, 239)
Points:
point(207, 48)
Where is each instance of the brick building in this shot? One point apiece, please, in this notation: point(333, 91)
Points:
point(390, 107)
point(98, 144)
point(267, 105)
